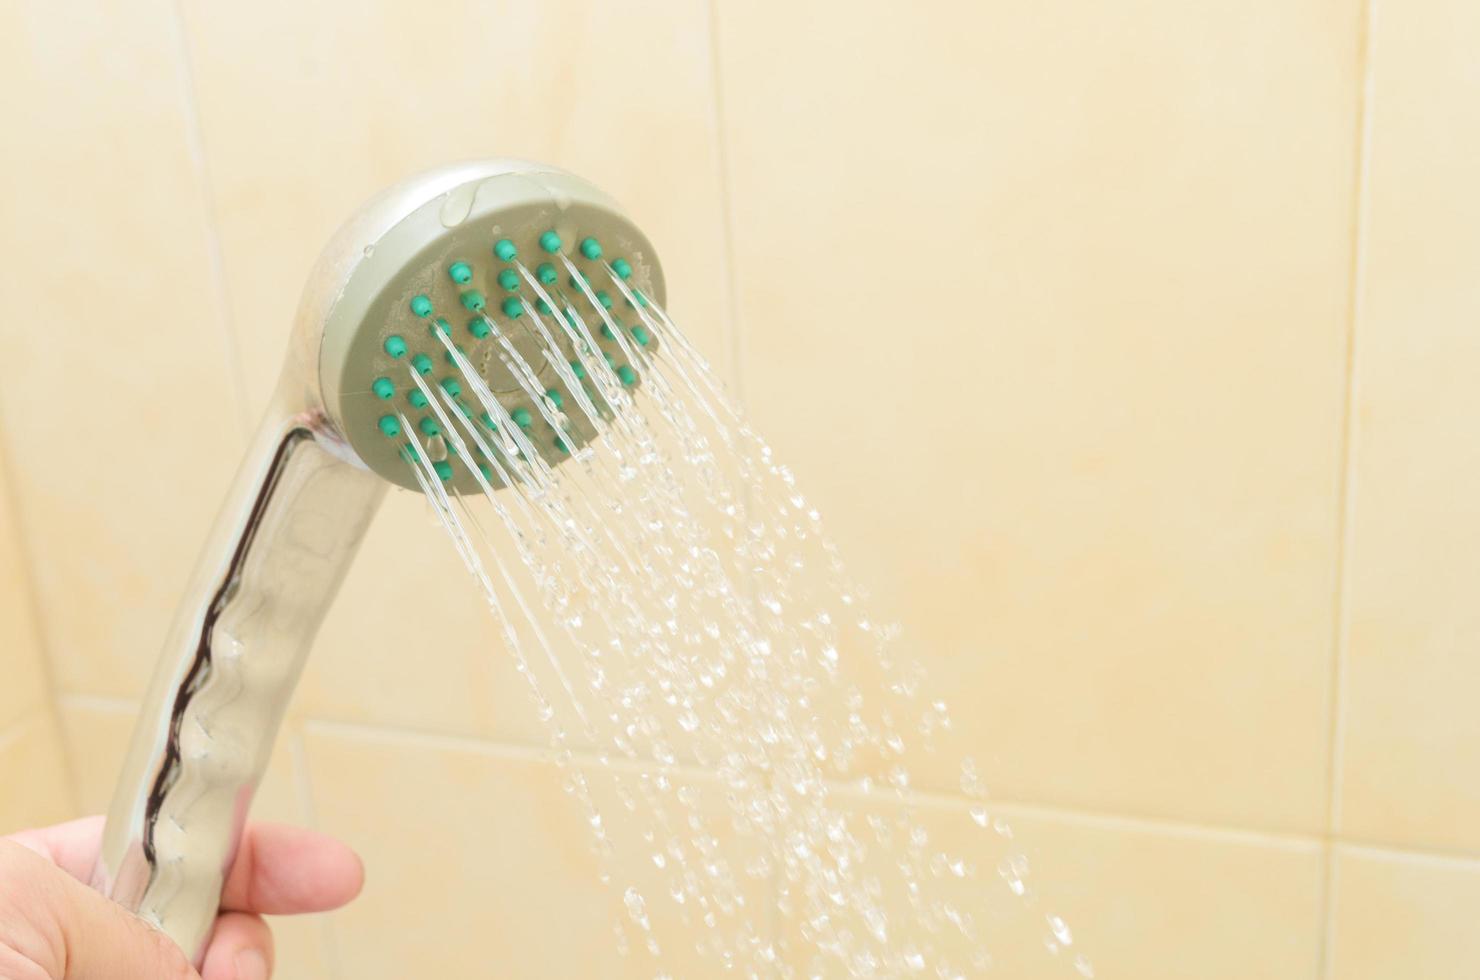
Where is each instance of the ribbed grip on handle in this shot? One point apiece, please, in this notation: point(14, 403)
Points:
point(276, 556)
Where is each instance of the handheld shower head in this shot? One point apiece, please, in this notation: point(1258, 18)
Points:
point(459, 298)
point(482, 261)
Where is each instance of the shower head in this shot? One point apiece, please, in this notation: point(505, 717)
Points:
point(453, 272)
point(470, 326)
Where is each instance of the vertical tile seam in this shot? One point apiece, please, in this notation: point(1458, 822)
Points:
point(41, 639)
point(1329, 900)
point(11, 733)
point(42, 717)
point(734, 341)
point(1346, 487)
point(735, 347)
point(328, 942)
point(211, 226)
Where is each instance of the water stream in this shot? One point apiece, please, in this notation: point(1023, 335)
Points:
point(671, 599)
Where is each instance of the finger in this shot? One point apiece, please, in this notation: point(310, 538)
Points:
point(281, 870)
point(240, 949)
point(73, 846)
point(78, 934)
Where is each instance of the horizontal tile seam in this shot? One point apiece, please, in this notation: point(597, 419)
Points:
point(525, 752)
point(27, 709)
point(24, 722)
point(97, 702)
point(1407, 853)
point(1108, 819)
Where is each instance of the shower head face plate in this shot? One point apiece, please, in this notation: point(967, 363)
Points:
point(504, 279)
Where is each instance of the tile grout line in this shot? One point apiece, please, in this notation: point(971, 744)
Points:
point(734, 342)
point(302, 786)
point(735, 351)
point(1109, 819)
point(1139, 823)
point(195, 143)
point(28, 719)
point(11, 734)
point(475, 745)
point(303, 789)
point(1399, 852)
point(1326, 948)
point(1102, 819)
point(1346, 492)
point(51, 688)
point(97, 702)
point(1105, 819)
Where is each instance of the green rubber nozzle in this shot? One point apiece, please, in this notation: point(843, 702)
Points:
point(444, 469)
point(479, 254)
point(390, 425)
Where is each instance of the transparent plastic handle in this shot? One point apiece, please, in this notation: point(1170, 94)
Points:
point(290, 526)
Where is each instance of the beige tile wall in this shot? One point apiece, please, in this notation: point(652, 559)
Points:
point(33, 765)
point(1172, 304)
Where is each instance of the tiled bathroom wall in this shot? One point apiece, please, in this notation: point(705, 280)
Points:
point(1171, 307)
point(33, 763)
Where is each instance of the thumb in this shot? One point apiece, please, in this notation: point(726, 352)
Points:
point(73, 933)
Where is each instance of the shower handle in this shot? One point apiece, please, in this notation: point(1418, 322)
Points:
point(291, 523)
point(333, 441)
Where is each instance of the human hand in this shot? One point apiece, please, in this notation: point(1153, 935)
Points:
point(53, 927)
